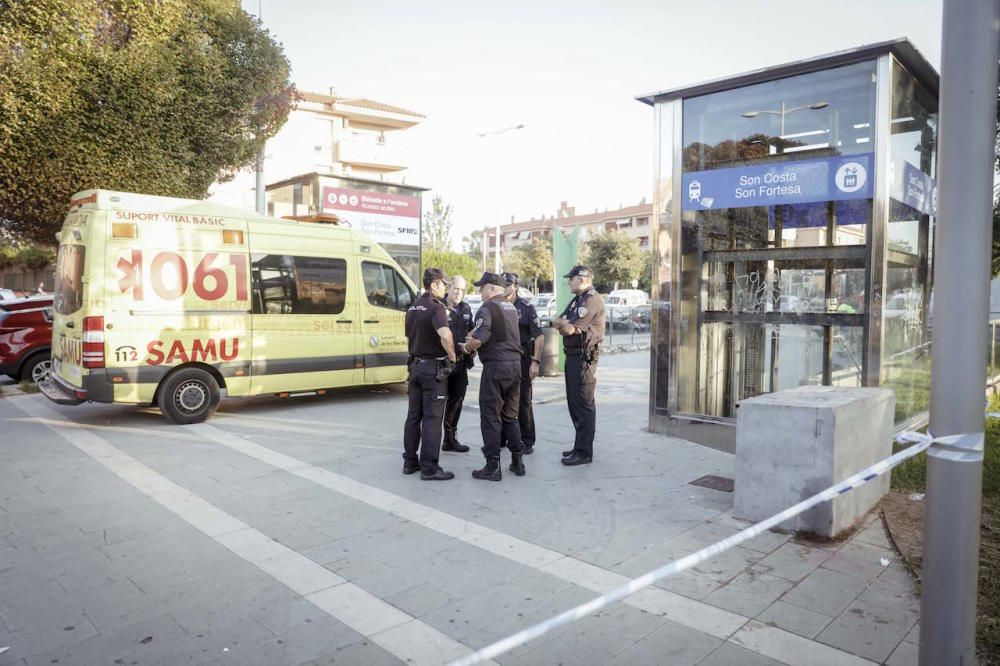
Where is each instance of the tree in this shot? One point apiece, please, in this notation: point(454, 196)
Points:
point(452, 263)
point(437, 226)
point(615, 258)
point(532, 262)
point(156, 97)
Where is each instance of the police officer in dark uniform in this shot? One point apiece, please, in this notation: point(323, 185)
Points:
point(432, 356)
point(530, 334)
point(495, 337)
point(582, 326)
point(460, 323)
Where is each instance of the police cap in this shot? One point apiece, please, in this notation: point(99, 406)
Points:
point(510, 279)
point(580, 270)
point(490, 278)
point(432, 274)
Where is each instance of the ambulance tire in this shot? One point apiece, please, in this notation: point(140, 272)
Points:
point(189, 395)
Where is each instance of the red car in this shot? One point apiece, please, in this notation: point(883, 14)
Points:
point(26, 337)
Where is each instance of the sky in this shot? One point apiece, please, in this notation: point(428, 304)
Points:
point(568, 70)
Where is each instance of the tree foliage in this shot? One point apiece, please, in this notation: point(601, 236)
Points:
point(30, 256)
point(532, 262)
point(437, 226)
point(615, 257)
point(452, 263)
point(156, 97)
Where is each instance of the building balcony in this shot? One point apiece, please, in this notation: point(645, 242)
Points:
point(371, 154)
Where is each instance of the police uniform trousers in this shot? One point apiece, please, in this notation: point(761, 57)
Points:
point(526, 414)
point(422, 429)
point(581, 380)
point(499, 394)
point(458, 382)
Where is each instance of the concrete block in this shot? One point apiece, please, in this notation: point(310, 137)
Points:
point(792, 444)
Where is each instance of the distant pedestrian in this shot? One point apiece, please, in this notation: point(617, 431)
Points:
point(582, 326)
point(530, 339)
point(460, 323)
point(41, 288)
point(495, 337)
point(432, 357)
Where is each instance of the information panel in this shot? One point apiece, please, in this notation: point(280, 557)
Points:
point(802, 181)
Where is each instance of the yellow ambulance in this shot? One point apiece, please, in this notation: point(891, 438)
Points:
point(169, 302)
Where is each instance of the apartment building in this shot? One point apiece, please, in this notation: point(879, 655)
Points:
point(328, 134)
point(633, 220)
point(341, 160)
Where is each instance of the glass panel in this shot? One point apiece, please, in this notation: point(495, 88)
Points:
point(662, 252)
point(906, 351)
point(823, 113)
point(741, 360)
point(846, 356)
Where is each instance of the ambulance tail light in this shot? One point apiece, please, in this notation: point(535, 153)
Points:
point(93, 342)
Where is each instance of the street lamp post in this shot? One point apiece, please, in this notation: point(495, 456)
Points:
point(496, 256)
point(783, 111)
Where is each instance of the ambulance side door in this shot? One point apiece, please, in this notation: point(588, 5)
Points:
point(304, 324)
point(384, 303)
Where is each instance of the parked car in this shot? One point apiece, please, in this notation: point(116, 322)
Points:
point(26, 337)
point(545, 306)
point(628, 309)
point(7, 294)
point(475, 302)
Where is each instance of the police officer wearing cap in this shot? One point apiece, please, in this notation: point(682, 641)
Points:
point(460, 323)
point(582, 326)
point(432, 356)
point(495, 337)
point(530, 336)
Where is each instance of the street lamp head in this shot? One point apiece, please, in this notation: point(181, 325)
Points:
point(819, 105)
point(750, 114)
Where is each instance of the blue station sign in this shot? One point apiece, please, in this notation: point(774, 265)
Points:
point(803, 181)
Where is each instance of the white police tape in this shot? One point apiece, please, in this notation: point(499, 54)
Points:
point(920, 442)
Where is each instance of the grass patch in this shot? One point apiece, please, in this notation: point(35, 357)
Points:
point(911, 477)
point(28, 386)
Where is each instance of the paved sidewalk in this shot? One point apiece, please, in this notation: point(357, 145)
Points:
point(282, 532)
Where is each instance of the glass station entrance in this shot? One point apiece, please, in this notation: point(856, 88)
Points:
point(795, 209)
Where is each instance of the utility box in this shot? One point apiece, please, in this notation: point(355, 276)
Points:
point(795, 443)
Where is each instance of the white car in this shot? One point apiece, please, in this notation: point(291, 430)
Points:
point(7, 294)
point(475, 301)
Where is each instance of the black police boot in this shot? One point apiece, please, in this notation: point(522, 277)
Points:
point(528, 449)
point(490, 472)
point(568, 453)
point(437, 475)
point(577, 458)
point(454, 445)
point(411, 467)
point(517, 463)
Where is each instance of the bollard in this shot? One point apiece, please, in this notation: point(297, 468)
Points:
point(549, 367)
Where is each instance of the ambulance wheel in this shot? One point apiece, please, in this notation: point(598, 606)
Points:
point(187, 396)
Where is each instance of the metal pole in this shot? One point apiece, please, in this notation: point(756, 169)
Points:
point(259, 183)
point(954, 473)
point(496, 256)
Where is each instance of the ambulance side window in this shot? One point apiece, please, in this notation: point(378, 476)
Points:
point(273, 277)
point(321, 285)
point(298, 285)
point(384, 287)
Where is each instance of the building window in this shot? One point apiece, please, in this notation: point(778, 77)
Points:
point(642, 222)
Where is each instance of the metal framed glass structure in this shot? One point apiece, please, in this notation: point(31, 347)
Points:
point(793, 239)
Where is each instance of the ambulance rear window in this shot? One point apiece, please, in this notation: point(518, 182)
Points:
point(68, 297)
